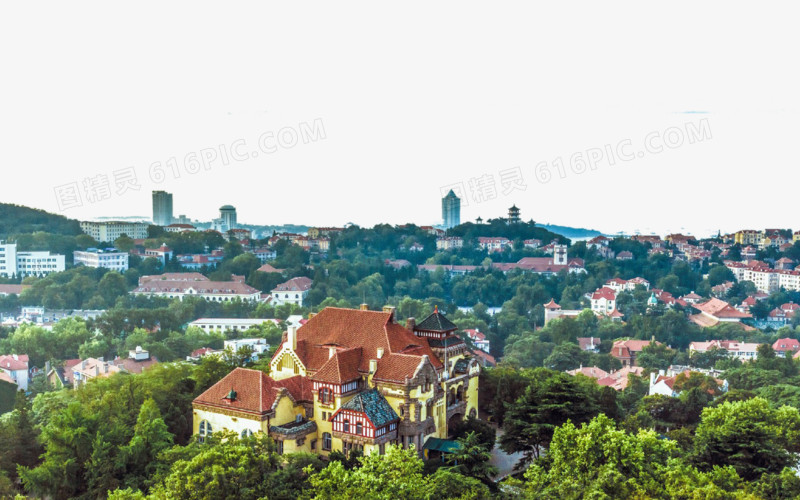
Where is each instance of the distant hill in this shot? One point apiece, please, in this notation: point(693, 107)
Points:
point(16, 219)
point(499, 227)
point(573, 233)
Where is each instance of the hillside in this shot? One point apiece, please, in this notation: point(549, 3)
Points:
point(16, 219)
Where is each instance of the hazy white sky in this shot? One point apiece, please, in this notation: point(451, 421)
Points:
point(413, 98)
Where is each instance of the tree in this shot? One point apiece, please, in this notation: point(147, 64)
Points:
point(395, 475)
point(150, 437)
point(550, 400)
point(124, 243)
point(566, 356)
point(750, 436)
point(232, 468)
point(599, 461)
point(472, 458)
point(655, 357)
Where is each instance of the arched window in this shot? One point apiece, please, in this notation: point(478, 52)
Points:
point(247, 433)
point(326, 441)
point(359, 428)
point(346, 426)
point(205, 429)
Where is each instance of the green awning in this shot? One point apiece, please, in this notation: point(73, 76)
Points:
point(442, 445)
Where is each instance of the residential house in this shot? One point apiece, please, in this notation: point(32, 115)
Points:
point(604, 300)
point(493, 244)
point(714, 311)
point(786, 347)
point(627, 350)
point(16, 367)
point(293, 291)
point(745, 351)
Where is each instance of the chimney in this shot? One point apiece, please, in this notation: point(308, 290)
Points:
point(364, 307)
point(389, 309)
point(331, 352)
point(46, 367)
point(311, 315)
point(373, 365)
point(652, 379)
point(380, 352)
point(411, 323)
point(291, 337)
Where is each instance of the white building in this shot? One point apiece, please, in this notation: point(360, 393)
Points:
point(15, 263)
point(293, 291)
point(179, 285)
point(111, 230)
point(258, 345)
point(745, 351)
point(450, 242)
point(8, 259)
point(225, 325)
point(16, 367)
point(110, 258)
point(604, 300)
point(493, 244)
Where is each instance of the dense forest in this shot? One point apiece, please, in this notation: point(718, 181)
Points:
point(16, 219)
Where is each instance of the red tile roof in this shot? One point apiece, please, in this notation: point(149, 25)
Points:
point(299, 284)
point(341, 367)
point(363, 332)
point(256, 392)
point(787, 344)
point(267, 268)
point(9, 362)
point(604, 293)
point(552, 305)
point(719, 309)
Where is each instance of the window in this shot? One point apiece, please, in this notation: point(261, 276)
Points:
point(346, 426)
point(325, 395)
point(205, 429)
point(359, 428)
point(280, 447)
point(326, 441)
point(247, 433)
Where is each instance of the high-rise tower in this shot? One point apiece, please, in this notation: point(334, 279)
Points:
point(451, 210)
point(162, 208)
point(228, 215)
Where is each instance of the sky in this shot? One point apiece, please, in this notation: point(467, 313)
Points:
point(623, 116)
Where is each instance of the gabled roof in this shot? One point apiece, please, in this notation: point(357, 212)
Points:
point(267, 268)
point(255, 391)
point(10, 363)
point(341, 367)
point(720, 309)
point(604, 293)
point(299, 284)
point(374, 406)
point(436, 322)
point(402, 351)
